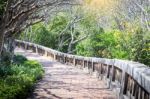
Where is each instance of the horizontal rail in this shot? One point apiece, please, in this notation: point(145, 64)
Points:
point(130, 79)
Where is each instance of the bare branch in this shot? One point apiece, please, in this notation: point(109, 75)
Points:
point(80, 39)
point(17, 4)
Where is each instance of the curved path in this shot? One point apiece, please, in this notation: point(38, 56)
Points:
point(66, 82)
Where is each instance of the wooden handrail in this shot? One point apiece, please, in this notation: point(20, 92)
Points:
point(130, 79)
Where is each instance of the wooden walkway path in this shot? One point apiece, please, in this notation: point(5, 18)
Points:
point(66, 82)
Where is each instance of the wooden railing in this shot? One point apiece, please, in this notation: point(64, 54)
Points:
point(130, 79)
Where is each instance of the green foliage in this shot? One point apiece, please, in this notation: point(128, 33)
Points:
point(91, 46)
point(130, 42)
point(117, 44)
point(58, 23)
point(2, 6)
point(103, 44)
point(17, 80)
point(51, 35)
point(145, 54)
point(19, 59)
point(5, 58)
point(5, 70)
point(47, 34)
point(140, 46)
point(111, 46)
point(84, 48)
point(43, 34)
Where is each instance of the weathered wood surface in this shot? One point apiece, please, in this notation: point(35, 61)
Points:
point(130, 79)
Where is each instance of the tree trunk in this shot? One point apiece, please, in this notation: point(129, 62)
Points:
point(11, 46)
point(7, 53)
point(1, 41)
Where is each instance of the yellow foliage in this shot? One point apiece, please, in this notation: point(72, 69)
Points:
point(117, 34)
point(105, 6)
point(97, 4)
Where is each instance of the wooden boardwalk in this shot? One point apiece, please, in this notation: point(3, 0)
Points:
point(66, 82)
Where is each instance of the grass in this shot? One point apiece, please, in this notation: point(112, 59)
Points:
point(18, 78)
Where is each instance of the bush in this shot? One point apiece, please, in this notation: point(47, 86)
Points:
point(17, 79)
point(5, 70)
point(19, 59)
point(6, 58)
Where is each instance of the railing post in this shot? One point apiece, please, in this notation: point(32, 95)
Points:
point(136, 91)
point(74, 61)
point(92, 69)
point(108, 76)
point(54, 57)
point(87, 63)
point(25, 46)
point(36, 48)
point(112, 77)
point(45, 53)
point(113, 73)
point(100, 71)
point(64, 59)
point(83, 65)
point(124, 83)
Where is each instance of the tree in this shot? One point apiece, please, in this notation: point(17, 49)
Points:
point(20, 14)
point(63, 31)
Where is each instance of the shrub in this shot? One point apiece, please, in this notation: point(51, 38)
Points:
point(17, 79)
point(6, 58)
point(19, 59)
point(5, 70)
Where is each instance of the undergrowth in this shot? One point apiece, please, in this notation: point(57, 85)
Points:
point(18, 78)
